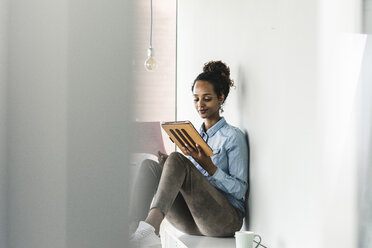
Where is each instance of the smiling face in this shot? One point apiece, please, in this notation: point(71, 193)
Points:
point(206, 102)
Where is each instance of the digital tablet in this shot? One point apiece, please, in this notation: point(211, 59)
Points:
point(183, 132)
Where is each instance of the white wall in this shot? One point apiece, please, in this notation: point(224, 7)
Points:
point(3, 118)
point(275, 50)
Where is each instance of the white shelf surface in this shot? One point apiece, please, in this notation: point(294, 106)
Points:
point(172, 238)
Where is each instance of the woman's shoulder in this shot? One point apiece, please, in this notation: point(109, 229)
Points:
point(232, 132)
point(235, 137)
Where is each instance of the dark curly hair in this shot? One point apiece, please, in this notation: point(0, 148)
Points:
point(218, 74)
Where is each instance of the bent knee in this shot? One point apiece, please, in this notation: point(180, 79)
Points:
point(176, 159)
point(176, 155)
point(149, 168)
point(148, 164)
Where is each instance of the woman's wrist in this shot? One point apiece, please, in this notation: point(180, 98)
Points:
point(211, 168)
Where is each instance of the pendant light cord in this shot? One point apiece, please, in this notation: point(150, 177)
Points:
point(151, 27)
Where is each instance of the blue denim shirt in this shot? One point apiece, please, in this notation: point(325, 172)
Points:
point(231, 158)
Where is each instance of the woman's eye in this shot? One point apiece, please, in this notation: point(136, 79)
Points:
point(208, 99)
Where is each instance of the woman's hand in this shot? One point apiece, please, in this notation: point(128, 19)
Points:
point(200, 157)
point(162, 157)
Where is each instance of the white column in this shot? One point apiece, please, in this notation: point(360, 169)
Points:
point(364, 148)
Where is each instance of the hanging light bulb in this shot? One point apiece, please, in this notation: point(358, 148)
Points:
point(150, 63)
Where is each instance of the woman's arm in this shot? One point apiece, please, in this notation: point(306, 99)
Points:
point(234, 182)
point(201, 158)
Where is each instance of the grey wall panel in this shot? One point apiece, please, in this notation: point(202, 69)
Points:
point(69, 102)
point(3, 120)
point(37, 123)
point(98, 115)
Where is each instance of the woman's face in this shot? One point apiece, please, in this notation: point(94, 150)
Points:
point(205, 99)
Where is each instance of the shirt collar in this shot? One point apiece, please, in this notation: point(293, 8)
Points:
point(211, 131)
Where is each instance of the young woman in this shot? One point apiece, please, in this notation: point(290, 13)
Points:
point(199, 195)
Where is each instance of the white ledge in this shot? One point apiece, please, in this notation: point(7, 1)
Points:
point(172, 238)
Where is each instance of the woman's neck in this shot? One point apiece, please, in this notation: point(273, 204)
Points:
point(208, 123)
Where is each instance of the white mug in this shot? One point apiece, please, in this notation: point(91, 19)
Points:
point(244, 239)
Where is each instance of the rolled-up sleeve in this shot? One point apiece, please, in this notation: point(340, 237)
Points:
point(234, 182)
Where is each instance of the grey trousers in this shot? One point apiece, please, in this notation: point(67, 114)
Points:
point(185, 197)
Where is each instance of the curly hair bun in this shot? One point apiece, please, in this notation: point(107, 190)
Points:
point(220, 68)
